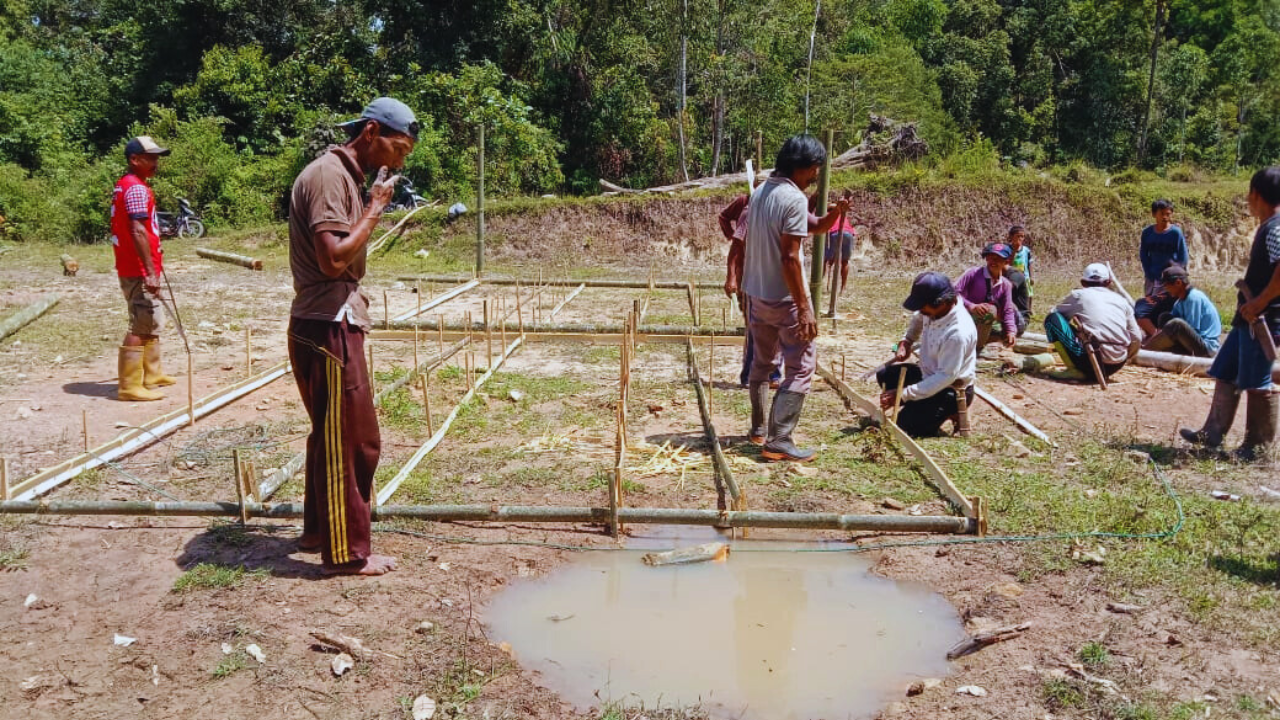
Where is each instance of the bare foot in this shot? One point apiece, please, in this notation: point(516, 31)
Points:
point(373, 565)
point(309, 543)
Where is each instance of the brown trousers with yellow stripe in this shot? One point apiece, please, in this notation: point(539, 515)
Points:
point(344, 445)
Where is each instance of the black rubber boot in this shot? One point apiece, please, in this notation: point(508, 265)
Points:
point(1260, 426)
point(782, 422)
point(759, 399)
point(1222, 413)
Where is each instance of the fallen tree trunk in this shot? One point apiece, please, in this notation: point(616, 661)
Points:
point(27, 315)
point(226, 257)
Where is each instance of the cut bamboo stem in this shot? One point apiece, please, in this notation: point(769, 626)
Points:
point(897, 397)
point(386, 312)
point(27, 315)
point(1014, 417)
point(191, 390)
point(438, 301)
point(4, 478)
point(248, 353)
point(723, 472)
point(84, 422)
point(440, 334)
point(488, 336)
point(622, 284)
point(232, 258)
point(239, 472)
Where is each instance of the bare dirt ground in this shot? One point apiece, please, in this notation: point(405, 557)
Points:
point(1204, 642)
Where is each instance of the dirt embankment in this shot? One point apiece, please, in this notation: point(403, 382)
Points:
point(912, 225)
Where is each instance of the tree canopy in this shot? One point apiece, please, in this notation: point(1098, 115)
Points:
point(640, 92)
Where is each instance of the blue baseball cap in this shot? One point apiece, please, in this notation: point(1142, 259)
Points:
point(389, 113)
point(998, 248)
point(927, 289)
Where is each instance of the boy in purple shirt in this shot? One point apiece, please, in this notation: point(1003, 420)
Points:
point(988, 296)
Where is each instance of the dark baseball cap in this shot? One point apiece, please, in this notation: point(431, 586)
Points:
point(927, 288)
point(389, 113)
point(143, 145)
point(1173, 272)
point(998, 248)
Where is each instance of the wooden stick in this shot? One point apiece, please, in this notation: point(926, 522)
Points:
point(239, 472)
point(502, 312)
point(897, 397)
point(488, 337)
point(4, 478)
point(440, 328)
point(844, 366)
point(1014, 417)
point(415, 326)
point(191, 391)
point(981, 640)
point(426, 406)
point(519, 309)
point(386, 312)
point(84, 421)
point(248, 356)
point(711, 370)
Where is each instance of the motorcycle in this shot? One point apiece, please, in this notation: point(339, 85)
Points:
point(406, 198)
point(185, 224)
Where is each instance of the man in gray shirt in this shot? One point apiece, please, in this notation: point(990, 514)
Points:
point(780, 312)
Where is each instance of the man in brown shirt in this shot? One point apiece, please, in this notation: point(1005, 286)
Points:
point(329, 229)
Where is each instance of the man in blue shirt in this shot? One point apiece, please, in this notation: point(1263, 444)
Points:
point(1193, 326)
point(1162, 243)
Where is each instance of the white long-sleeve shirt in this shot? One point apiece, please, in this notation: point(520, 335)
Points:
point(948, 350)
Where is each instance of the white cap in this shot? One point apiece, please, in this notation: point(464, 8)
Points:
point(1096, 272)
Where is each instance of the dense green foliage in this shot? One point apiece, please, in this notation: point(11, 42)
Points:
point(638, 93)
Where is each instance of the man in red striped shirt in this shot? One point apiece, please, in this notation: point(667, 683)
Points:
point(135, 238)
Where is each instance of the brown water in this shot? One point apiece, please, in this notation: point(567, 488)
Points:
point(778, 635)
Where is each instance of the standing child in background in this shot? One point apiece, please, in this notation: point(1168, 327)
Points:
point(1019, 274)
point(1162, 243)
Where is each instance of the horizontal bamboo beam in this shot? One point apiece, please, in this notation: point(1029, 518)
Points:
point(582, 328)
point(394, 484)
point(27, 315)
point(232, 258)
point(514, 514)
point(135, 439)
point(931, 468)
point(622, 284)
point(436, 302)
point(608, 337)
point(1171, 362)
point(556, 311)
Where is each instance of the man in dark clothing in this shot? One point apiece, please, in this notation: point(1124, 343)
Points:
point(329, 229)
point(1241, 364)
point(1162, 243)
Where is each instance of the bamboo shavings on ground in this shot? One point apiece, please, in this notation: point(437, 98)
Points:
point(562, 442)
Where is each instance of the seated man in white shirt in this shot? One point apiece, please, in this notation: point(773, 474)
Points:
point(948, 353)
point(1108, 322)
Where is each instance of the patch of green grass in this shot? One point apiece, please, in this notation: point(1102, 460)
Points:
point(1094, 654)
point(402, 411)
point(1246, 703)
point(230, 664)
point(13, 559)
point(450, 372)
point(1061, 694)
point(207, 576)
point(1136, 711)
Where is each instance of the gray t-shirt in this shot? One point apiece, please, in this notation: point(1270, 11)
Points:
point(777, 208)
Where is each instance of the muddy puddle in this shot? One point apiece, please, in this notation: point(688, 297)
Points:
point(765, 634)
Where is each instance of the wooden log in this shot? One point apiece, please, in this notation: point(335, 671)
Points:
point(708, 552)
point(27, 315)
point(981, 640)
point(232, 258)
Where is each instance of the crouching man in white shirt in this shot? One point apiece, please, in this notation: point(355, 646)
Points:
point(948, 342)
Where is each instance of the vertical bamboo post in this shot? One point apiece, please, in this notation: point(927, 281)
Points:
point(820, 239)
point(711, 369)
point(239, 472)
point(844, 365)
point(519, 309)
point(415, 347)
point(440, 334)
point(480, 203)
point(248, 357)
point(386, 312)
point(488, 337)
point(4, 478)
point(84, 423)
point(191, 391)
point(426, 406)
point(897, 397)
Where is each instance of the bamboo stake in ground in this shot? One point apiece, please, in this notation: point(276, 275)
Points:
point(386, 312)
point(711, 371)
point(84, 422)
point(239, 473)
point(440, 335)
point(191, 391)
point(426, 406)
point(4, 478)
point(897, 397)
point(248, 354)
point(488, 336)
point(844, 365)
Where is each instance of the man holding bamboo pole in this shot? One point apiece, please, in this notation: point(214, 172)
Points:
point(329, 229)
point(780, 313)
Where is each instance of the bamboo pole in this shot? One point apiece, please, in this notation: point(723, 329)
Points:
point(27, 315)
point(426, 406)
point(438, 301)
point(621, 284)
point(581, 327)
point(488, 336)
point(440, 334)
point(191, 390)
point(239, 472)
point(376, 245)
point(136, 438)
point(4, 478)
point(897, 397)
point(1017, 419)
point(723, 471)
point(711, 371)
point(248, 353)
point(515, 514)
point(386, 312)
point(232, 258)
point(640, 337)
point(84, 423)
